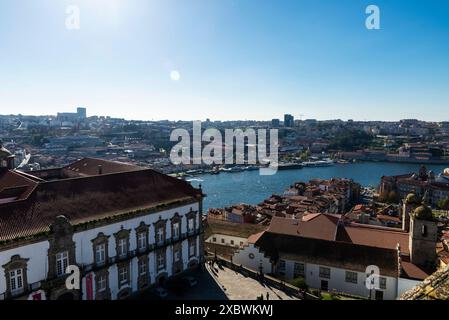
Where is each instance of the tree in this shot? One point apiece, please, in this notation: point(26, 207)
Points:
point(300, 283)
point(443, 204)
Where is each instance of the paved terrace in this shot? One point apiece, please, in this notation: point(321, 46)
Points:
point(238, 287)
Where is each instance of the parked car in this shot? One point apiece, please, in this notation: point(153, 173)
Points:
point(190, 281)
point(161, 292)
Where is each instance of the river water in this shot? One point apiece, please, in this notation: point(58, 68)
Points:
point(249, 187)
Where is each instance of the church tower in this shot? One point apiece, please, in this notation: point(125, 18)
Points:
point(410, 203)
point(423, 237)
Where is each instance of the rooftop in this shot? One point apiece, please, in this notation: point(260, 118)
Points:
point(31, 205)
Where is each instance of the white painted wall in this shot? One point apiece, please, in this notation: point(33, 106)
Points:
point(242, 257)
point(38, 261)
point(337, 279)
point(227, 240)
point(405, 285)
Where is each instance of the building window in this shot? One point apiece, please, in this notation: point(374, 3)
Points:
point(424, 231)
point(232, 242)
point(142, 267)
point(298, 270)
point(192, 248)
point(325, 272)
point(281, 267)
point(214, 239)
point(62, 262)
point(383, 283)
point(191, 225)
point(176, 230)
point(16, 276)
point(101, 283)
point(100, 254)
point(222, 240)
point(161, 261)
point(122, 243)
point(177, 256)
point(142, 241)
point(351, 277)
point(123, 275)
point(241, 243)
point(100, 248)
point(122, 248)
point(160, 235)
point(16, 281)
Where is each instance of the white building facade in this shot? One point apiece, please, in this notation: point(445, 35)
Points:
point(115, 259)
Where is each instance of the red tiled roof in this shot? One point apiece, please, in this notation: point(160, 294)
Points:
point(90, 198)
point(374, 236)
point(317, 226)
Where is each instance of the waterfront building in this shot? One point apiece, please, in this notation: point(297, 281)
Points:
point(126, 228)
point(436, 186)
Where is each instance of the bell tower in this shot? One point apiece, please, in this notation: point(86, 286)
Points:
point(410, 203)
point(423, 237)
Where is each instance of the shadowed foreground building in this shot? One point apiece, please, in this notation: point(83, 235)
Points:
point(334, 254)
point(127, 228)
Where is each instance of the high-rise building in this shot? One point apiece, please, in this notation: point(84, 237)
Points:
point(289, 120)
point(275, 123)
point(82, 114)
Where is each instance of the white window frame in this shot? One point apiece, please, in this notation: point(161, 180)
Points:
point(191, 224)
point(299, 269)
point(101, 283)
point(100, 253)
point(192, 248)
point(176, 229)
point(142, 267)
point(123, 275)
point(16, 281)
point(122, 247)
point(160, 235)
point(160, 262)
point(325, 275)
point(142, 241)
point(349, 277)
point(62, 262)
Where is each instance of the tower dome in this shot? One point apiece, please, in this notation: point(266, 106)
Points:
point(412, 198)
point(423, 213)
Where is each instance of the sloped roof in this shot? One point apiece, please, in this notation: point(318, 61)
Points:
point(329, 253)
point(88, 198)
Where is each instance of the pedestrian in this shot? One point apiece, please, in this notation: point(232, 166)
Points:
point(268, 295)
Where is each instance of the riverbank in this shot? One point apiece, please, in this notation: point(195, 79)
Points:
point(249, 187)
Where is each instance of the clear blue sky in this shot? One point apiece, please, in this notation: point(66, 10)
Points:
point(237, 59)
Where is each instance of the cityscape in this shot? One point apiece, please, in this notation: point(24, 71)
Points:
point(189, 153)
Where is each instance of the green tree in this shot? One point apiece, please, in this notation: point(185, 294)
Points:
point(300, 283)
point(443, 204)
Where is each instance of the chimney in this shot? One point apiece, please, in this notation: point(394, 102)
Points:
point(100, 169)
